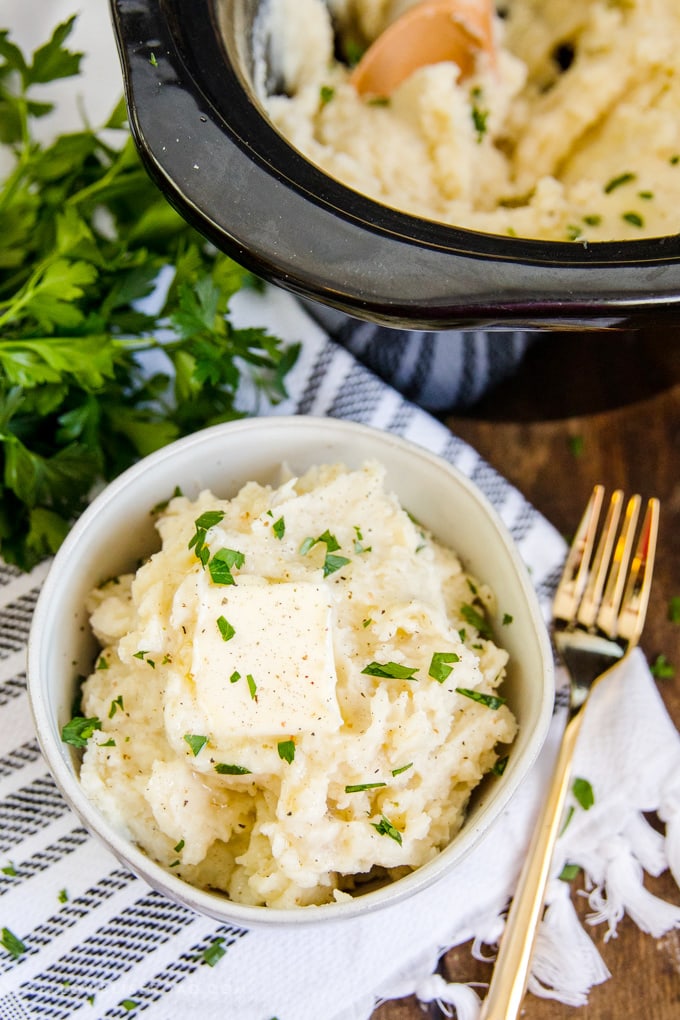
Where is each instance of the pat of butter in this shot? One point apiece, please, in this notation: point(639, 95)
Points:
point(276, 673)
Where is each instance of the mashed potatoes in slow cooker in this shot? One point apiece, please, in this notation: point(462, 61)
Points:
point(296, 694)
point(573, 135)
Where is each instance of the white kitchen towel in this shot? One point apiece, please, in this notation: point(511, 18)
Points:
point(99, 943)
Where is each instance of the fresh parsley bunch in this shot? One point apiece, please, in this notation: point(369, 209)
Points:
point(84, 235)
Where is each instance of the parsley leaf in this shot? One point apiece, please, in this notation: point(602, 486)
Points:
point(225, 628)
point(439, 666)
point(286, 749)
point(14, 946)
point(476, 619)
point(390, 670)
point(213, 953)
point(196, 742)
point(385, 828)
point(78, 731)
point(583, 792)
point(493, 701)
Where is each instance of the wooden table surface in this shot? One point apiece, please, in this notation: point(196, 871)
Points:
point(587, 408)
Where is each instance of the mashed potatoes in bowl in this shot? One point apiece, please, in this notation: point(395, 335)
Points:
point(569, 132)
point(289, 702)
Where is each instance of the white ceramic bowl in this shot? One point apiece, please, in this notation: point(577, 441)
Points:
point(117, 530)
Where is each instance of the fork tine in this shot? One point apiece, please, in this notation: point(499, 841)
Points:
point(577, 564)
point(607, 617)
point(592, 596)
point(636, 596)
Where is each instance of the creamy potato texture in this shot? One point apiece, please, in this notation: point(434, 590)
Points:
point(296, 694)
point(571, 134)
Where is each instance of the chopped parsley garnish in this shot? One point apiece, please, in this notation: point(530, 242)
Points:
point(252, 686)
point(367, 622)
point(222, 563)
point(330, 541)
point(479, 115)
point(225, 628)
point(476, 619)
point(129, 1005)
point(78, 731)
point(661, 668)
point(231, 770)
point(235, 677)
point(390, 670)
point(385, 828)
point(213, 953)
point(179, 847)
point(569, 872)
point(14, 946)
point(507, 619)
point(646, 195)
point(500, 766)
point(102, 663)
point(197, 541)
point(62, 896)
point(153, 60)
point(333, 563)
point(402, 768)
point(359, 546)
point(326, 93)
point(207, 520)
point(674, 609)
point(360, 787)
point(616, 182)
point(9, 869)
point(279, 528)
point(592, 220)
point(440, 669)
point(633, 218)
point(493, 701)
point(196, 742)
point(116, 704)
point(378, 101)
point(108, 743)
point(286, 749)
point(583, 792)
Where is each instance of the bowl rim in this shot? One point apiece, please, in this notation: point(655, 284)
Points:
point(202, 136)
point(133, 857)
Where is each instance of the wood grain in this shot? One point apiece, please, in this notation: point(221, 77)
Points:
point(585, 409)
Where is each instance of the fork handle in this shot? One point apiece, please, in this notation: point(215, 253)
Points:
point(511, 970)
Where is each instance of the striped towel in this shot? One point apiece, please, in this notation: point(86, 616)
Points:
point(83, 937)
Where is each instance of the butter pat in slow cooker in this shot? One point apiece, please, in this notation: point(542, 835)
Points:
point(263, 660)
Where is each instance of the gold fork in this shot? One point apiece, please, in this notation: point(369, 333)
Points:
point(598, 614)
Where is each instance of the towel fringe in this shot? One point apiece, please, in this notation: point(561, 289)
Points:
point(462, 997)
point(624, 892)
point(566, 962)
point(669, 812)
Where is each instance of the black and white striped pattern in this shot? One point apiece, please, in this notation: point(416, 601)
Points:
point(441, 371)
point(97, 939)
